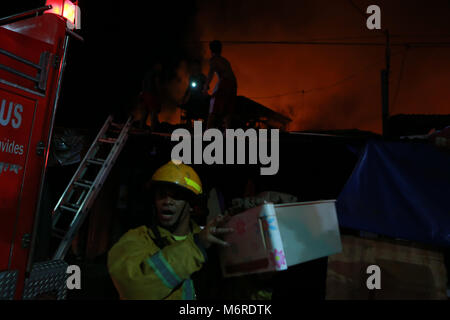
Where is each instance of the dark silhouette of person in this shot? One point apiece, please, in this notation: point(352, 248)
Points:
point(195, 102)
point(223, 99)
point(149, 99)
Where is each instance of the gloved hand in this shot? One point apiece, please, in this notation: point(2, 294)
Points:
point(209, 235)
point(239, 205)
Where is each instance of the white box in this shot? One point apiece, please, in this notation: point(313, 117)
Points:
point(274, 237)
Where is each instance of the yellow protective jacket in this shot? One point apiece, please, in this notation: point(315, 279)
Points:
point(141, 270)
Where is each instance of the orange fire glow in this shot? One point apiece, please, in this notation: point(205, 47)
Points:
point(342, 84)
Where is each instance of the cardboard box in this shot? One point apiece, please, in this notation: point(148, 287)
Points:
point(409, 271)
point(273, 237)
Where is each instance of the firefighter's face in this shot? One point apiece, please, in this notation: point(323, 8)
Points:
point(169, 206)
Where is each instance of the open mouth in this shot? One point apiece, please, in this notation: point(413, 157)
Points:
point(166, 214)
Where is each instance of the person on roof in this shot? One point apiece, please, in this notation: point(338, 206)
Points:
point(223, 98)
point(156, 261)
point(195, 102)
point(149, 103)
point(197, 82)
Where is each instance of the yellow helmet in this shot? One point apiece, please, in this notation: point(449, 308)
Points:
point(180, 174)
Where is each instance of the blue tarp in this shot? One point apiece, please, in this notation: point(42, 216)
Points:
point(400, 190)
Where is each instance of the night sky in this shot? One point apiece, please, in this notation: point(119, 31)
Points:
point(341, 83)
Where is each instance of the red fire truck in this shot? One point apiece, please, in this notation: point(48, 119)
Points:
point(33, 47)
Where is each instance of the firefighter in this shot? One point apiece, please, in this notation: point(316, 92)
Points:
point(156, 261)
point(223, 99)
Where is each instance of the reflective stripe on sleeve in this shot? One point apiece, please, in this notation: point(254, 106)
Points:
point(163, 270)
point(188, 290)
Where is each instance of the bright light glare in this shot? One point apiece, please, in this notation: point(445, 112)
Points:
point(62, 8)
point(57, 6)
point(69, 11)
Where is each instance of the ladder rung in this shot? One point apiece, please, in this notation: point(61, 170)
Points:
point(96, 161)
point(90, 183)
point(81, 179)
point(107, 140)
point(117, 125)
point(69, 208)
point(83, 184)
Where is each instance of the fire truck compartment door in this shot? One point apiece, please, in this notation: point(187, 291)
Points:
point(17, 113)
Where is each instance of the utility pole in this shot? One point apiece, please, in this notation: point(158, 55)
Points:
point(385, 87)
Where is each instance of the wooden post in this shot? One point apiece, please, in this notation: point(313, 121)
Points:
point(385, 87)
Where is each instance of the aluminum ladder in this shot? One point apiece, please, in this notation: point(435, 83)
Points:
point(82, 190)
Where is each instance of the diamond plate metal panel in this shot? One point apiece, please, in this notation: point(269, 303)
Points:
point(8, 281)
point(47, 278)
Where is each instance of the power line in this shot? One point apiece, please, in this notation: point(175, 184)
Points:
point(417, 35)
point(345, 38)
point(432, 44)
point(360, 11)
point(334, 84)
point(335, 40)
